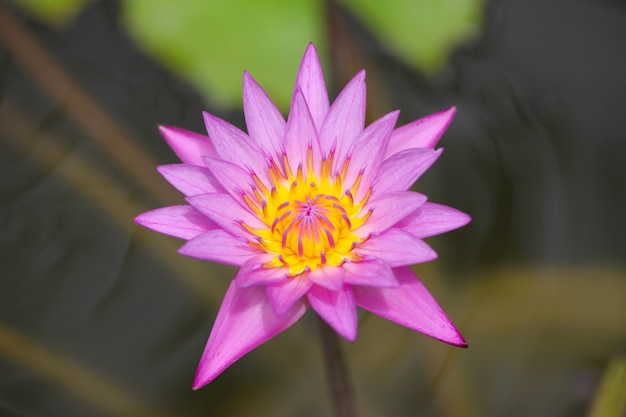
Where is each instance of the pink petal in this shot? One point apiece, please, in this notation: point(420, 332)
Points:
point(432, 219)
point(346, 117)
point(410, 305)
point(337, 308)
point(401, 170)
point(265, 123)
point(254, 273)
point(369, 273)
point(397, 248)
point(301, 135)
point(190, 179)
point(285, 293)
point(232, 145)
point(234, 179)
point(189, 146)
point(422, 133)
point(219, 246)
point(179, 221)
point(388, 209)
point(310, 81)
point(225, 211)
point(245, 321)
point(330, 277)
point(367, 153)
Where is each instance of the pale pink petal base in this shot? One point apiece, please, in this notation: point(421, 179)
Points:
point(397, 248)
point(410, 305)
point(337, 308)
point(330, 277)
point(253, 273)
point(284, 294)
point(388, 209)
point(190, 179)
point(245, 320)
point(219, 246)
point(369, 272)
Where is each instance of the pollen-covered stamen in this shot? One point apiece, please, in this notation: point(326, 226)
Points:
point(310, 216)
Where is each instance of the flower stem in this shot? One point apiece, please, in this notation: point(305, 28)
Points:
point(338, 381)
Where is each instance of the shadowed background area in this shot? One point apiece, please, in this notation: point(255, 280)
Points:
point(99, 317)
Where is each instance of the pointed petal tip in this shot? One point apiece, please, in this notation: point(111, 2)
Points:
point(310, 48)
point(202, 378)
point(247, 77)
point(166, 129)
point(196, 385)
point(138, 219)
point(455, 340)
point(450, 110)
point(360, 75)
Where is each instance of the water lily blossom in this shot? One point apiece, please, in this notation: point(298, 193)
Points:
point(315, 210)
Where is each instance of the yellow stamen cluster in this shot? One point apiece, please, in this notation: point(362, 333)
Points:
point(309, 218)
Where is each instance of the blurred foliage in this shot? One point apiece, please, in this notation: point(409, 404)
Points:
point(53, 11)
point(421, 32)
point(263, 37)
point(610, 400)
point(212, 42)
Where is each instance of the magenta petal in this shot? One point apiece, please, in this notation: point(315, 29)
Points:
point(245, 321)
point(346, 117)
point(190, 179)
point(410, 305)
point(337, 308)
point(330, 277)
point(401, 170)
point(369, 273)
point(422, 133)
point(254, 273)
point(366, 154)
point(285, 293)
point(397, 248)
point(432, 219)
point(183, 222)
point(310, 81)
point(225, 211)
point(388, 209)
point(219, 246)
point(189, 146)
point(301, 136)
point(265, 123)
point(235, 146)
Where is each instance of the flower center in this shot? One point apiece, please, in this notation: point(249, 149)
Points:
point(309, 218)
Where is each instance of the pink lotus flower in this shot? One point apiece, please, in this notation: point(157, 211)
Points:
point(315, 210)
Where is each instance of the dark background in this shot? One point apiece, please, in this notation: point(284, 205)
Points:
point(101, 318)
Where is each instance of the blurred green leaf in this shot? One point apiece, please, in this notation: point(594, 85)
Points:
point(422, 32)
point(212, 42)
point(610, 400)
point(52, 11)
